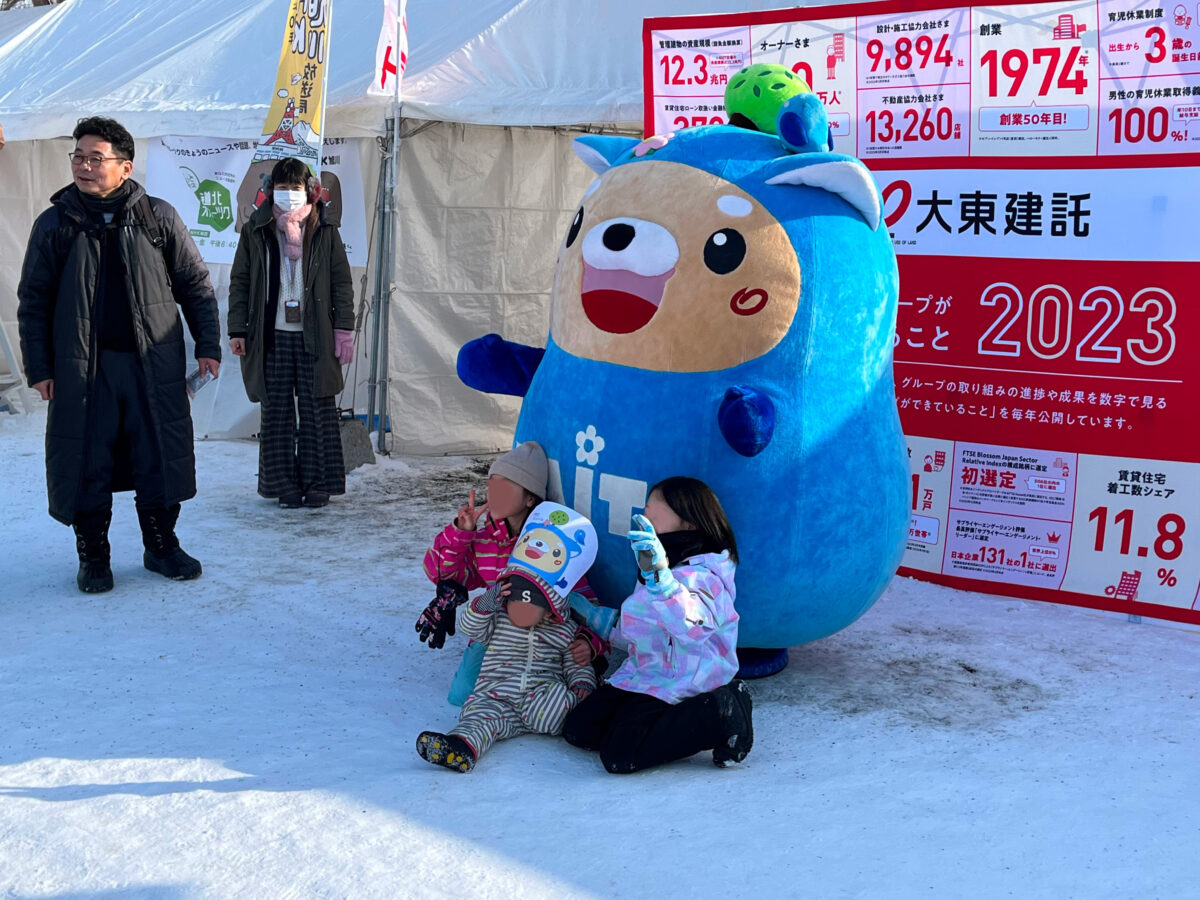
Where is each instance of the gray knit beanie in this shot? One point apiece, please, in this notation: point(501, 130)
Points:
point(525, 465)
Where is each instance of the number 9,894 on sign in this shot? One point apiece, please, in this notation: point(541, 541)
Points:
point(908, 55)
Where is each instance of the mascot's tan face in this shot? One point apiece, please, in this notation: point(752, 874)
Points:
point(669, 268)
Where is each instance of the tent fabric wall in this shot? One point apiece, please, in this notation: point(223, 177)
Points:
point(482, 210)
point(536, 62)
point(30, 171)
point(494, 62)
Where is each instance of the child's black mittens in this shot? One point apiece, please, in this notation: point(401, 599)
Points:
point(438, 618)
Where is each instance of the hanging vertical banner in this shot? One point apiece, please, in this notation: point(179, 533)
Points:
point(1039, 164)
point(391, 51)
point(295, 120)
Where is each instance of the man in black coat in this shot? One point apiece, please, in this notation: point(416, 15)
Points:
point(106, 272)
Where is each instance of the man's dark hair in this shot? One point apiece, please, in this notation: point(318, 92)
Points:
point(290, 170)
point(107, 130)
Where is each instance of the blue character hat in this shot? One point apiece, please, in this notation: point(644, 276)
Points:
point(557, 546)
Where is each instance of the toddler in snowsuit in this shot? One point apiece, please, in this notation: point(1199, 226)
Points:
point(529, 679)
point(472, 551)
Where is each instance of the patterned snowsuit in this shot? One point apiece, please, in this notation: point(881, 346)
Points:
point(528, 677)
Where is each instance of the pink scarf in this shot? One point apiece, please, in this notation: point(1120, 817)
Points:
point(291, 225)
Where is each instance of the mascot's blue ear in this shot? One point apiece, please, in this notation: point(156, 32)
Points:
point(803, 125)
point(841, 175)
point(600, 151)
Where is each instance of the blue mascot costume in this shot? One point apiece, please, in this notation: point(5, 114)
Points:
point(724, 307)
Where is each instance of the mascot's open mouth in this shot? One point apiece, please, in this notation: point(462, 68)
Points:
point(619, 301)
point(533, 552)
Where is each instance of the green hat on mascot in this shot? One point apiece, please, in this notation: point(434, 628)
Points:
point(756, 93)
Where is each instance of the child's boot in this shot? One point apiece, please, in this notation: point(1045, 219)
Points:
point(736, 724)
point(447, 750)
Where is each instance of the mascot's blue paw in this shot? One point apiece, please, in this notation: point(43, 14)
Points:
point(746, 419)
point(496, 366)
point(804, 126)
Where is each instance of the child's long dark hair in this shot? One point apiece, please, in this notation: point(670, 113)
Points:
point(694, 502)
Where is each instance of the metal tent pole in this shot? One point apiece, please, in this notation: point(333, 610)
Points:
point(385, 313)
point(377, 295)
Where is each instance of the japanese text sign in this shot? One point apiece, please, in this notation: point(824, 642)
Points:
point(1039, 165)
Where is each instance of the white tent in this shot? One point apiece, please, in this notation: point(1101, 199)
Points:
point(486, 183)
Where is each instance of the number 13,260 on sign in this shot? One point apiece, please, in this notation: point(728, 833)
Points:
point(929, 124)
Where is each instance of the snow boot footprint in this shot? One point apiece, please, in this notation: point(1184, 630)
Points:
point(735, 709)
point(447, 750)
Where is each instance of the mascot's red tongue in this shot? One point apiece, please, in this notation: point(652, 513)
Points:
point(619, 301)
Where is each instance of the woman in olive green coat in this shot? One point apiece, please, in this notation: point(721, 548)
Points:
point(291, 321)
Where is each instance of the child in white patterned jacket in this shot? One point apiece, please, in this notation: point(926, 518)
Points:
point(675, 694)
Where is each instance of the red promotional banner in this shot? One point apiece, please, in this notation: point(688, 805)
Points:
point(1039, 165)
point(1050, 352)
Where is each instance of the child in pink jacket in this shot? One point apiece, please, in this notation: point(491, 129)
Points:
point(675, 695)
point(472, 551)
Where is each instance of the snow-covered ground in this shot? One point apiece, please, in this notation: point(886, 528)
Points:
point(250, 734)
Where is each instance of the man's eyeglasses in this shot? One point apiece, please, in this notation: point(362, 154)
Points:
point(93, 160)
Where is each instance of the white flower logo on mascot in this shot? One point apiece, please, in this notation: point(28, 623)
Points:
point(723, 307)
point(590, 444)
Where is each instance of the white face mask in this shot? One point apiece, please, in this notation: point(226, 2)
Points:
point(290, 200)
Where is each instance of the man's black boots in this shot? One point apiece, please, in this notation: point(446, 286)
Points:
point(91, 540)
point(163, 553)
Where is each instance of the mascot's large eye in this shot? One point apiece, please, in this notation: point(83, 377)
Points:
point(557, 553)
point(724, 251)
point(576, 224)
